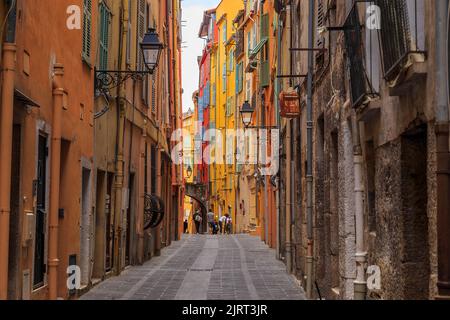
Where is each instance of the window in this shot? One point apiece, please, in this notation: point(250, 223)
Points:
point(224, 31)
point(105, 19)
point(129, 34)
point(87, 30)
point(224, 77)
point(231, 60)
point(239, 77)
point(213, 94)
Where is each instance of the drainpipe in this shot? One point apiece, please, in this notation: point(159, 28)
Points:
point(6, 128)
point(309, 169)
point(288, 196)
point(55, 172)
point(360, 284)
point(277, 113)
point(120, 147)
point(442, 148)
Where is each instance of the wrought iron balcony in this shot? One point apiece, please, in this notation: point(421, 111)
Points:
point(401, 34)
point(360, 86)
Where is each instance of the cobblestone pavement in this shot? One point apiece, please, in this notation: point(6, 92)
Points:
point(205, 267)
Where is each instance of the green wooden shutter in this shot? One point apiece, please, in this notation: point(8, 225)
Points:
point(87, 30)
point(265, 73)
point(224, 77)
point(213, 95)
point(241, 77)
point(105, 18)
point(265, 26)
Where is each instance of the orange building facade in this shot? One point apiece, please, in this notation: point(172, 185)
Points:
point(77, 165)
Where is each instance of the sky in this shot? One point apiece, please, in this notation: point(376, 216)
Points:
point(193, 16)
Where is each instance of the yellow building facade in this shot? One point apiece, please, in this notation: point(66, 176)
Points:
point(224, 110)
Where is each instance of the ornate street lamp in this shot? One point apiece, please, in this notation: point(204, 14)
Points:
point(151, 49)
point(189, 172)
point(247, 114)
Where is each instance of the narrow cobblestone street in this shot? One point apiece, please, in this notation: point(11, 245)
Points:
point(200, 267)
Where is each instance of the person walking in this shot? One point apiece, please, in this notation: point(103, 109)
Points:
point(228, 225)
point(211, 223)
point(197, 220)
point(222, 221)
point(185, 225)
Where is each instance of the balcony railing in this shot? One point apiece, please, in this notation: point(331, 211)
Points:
point(401, 33)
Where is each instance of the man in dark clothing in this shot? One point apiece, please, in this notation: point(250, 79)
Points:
point(197, 220)
point(185, 225)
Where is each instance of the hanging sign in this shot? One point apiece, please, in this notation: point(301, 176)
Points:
point(289, 104)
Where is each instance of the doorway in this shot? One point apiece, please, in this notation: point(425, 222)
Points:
point(100, 225)
point(15, 221)
point(109, 257)
point(415, 257)
point(85, 234)
point(130, 219)
point(41, 213)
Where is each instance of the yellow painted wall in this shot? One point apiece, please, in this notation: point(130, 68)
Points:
point(223, 75)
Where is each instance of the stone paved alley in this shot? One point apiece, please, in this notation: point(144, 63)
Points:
point(204, 267)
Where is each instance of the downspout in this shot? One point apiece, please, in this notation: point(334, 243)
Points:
point(278, 117)
point(120, 146)
point(360, 284)
point(6, 130)
point(288, 197)
point(55, 172)
point(442, 147)
point(288, 226)
point(309, 169)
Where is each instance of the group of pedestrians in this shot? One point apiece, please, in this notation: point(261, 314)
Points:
point(223, 225)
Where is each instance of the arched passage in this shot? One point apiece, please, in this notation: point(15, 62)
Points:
point(197, 192)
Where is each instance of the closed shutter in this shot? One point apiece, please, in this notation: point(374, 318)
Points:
point(141, 31)
point(264, 71)
point(224, 77)
point(213, 95)
point(265, 26)
point(241, 77)
point(320, 56)
point(105, 19)
point(142, 24)
point(87, 30)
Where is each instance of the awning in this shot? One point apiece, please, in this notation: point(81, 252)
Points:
point(23, 98)
point(258, 48)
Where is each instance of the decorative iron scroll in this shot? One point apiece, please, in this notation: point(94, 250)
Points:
point(153, 211)
point(106, 80)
